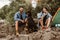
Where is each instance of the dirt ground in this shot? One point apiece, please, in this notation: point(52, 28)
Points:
point(8, 33)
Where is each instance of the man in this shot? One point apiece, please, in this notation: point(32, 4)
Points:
point(20, 19)
point(44, 18)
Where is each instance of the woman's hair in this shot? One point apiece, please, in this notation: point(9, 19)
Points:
point(45, 8)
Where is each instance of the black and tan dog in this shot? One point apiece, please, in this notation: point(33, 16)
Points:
point(31, 26)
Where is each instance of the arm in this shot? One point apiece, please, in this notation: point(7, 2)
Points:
point(40, 19)
point(48, 21)
point(41, 22)
point(26, 17)
point(16, 18)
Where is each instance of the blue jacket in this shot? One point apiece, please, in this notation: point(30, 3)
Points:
point(17, 16)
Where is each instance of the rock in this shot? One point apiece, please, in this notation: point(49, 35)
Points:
point(24, 37)
point(3, 31)
point(16, 38)
point(7, 32)
point(3, 39)
point(10, 37)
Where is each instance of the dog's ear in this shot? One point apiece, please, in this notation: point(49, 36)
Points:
point(29, 13)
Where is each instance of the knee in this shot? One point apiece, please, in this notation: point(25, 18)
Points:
point(49, 18)
point(40, 20)
point(16, 22)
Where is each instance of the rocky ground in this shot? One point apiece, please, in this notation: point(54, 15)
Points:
point(8, 33)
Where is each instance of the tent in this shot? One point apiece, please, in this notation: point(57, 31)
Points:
point(56, 19)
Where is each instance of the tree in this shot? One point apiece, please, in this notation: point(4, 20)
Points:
point(7, 12)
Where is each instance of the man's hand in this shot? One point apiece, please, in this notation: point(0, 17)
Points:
point(22, 21)
point(26, 20)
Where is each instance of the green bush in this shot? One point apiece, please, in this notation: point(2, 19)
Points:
point(7, 12)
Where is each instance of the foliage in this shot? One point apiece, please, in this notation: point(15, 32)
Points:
point(7, 12)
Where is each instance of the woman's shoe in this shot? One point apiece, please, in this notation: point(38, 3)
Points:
point(48, 29)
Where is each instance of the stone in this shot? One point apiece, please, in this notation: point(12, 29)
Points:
point(23, 37)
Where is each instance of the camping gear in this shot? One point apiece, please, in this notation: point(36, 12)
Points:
point(56, 19)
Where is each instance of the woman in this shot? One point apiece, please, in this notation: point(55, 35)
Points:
point(44, 18)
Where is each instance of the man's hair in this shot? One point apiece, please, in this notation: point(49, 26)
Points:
point(21, 7)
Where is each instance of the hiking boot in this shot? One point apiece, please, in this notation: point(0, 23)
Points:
point(43, 28)
point(17, 34)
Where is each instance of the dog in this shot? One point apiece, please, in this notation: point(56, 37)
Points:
point(30, 22)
